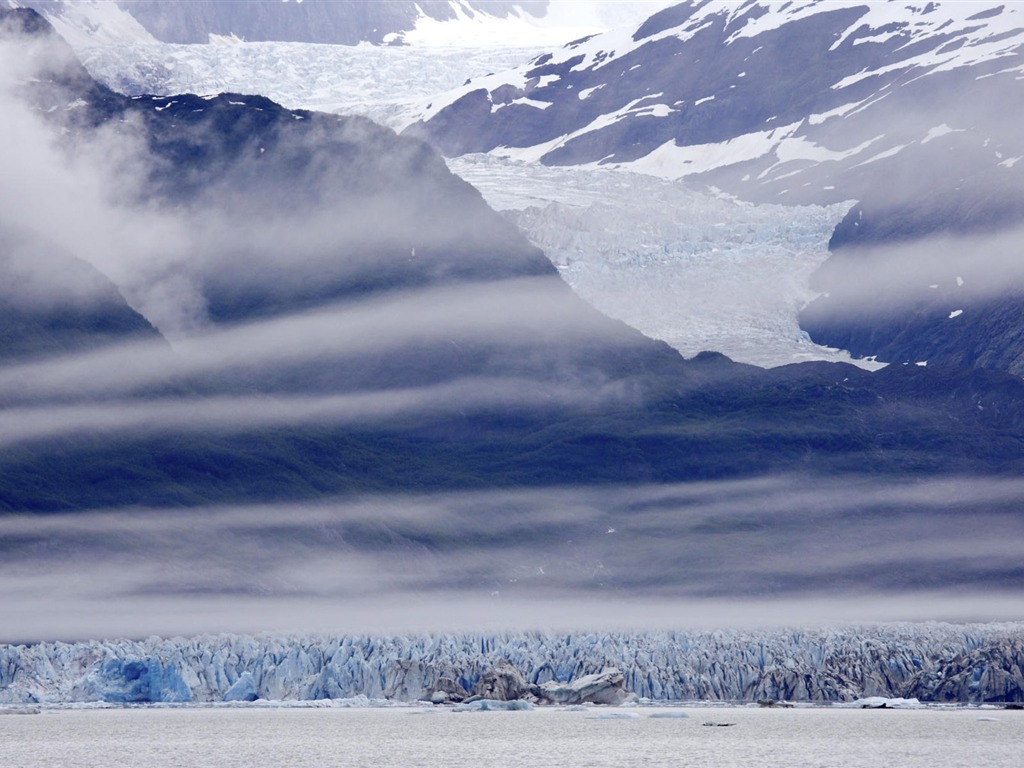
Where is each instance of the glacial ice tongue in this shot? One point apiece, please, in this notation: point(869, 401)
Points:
point(696, 271)
point(928, 662)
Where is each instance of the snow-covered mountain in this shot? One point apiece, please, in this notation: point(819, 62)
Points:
point(786, 101)
point(214, 215)
point(910, 109)
point(932, 662)
point(397, 22)
point(692, 275)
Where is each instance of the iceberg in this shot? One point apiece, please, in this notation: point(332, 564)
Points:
point(605, 687)
point(881, 702)
point(493, 705)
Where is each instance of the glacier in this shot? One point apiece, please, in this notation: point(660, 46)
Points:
point(932, 662)
point(696, 270)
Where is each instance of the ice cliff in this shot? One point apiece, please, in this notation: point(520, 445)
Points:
point(932, 662)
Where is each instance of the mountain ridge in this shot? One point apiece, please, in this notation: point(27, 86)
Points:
point(906, 109)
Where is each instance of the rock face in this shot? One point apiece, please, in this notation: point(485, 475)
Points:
point(951, 295)
point(52, 303)
point(503, 683)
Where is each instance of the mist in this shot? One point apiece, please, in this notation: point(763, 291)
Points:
point(967, 268)
point(767, 551)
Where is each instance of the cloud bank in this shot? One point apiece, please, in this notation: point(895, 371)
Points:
point(768, 551)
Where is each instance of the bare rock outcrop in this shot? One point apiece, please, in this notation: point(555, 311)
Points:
point(504, 683)
point(445, 691)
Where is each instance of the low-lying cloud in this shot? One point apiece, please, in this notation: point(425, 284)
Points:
point(959, 269)
point(763, 551)
point(224, 414)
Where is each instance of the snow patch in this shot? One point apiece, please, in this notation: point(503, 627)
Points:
point(940, 130)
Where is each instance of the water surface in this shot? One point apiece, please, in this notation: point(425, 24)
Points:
point(761, 738)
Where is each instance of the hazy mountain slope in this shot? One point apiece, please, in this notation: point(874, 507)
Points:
point(52, 303)
point(377, 398)
point(683, 266)
point(349, 316)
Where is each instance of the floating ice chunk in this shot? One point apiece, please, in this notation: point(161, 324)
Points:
point(670, 715)
point(606, 687)
point(618, 715)
point(492, 705)
point(955, 313)
point(881, 702)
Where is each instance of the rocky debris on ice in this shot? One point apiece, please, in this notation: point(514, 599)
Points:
point(445, 691)
point(506, 683)
point(606, 687)
point(997, 669)
point(503, 683)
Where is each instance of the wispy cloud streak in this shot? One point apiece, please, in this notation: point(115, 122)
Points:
point(768, 550)
point(233, 413)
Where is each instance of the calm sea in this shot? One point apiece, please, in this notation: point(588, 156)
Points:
point(759, 738)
